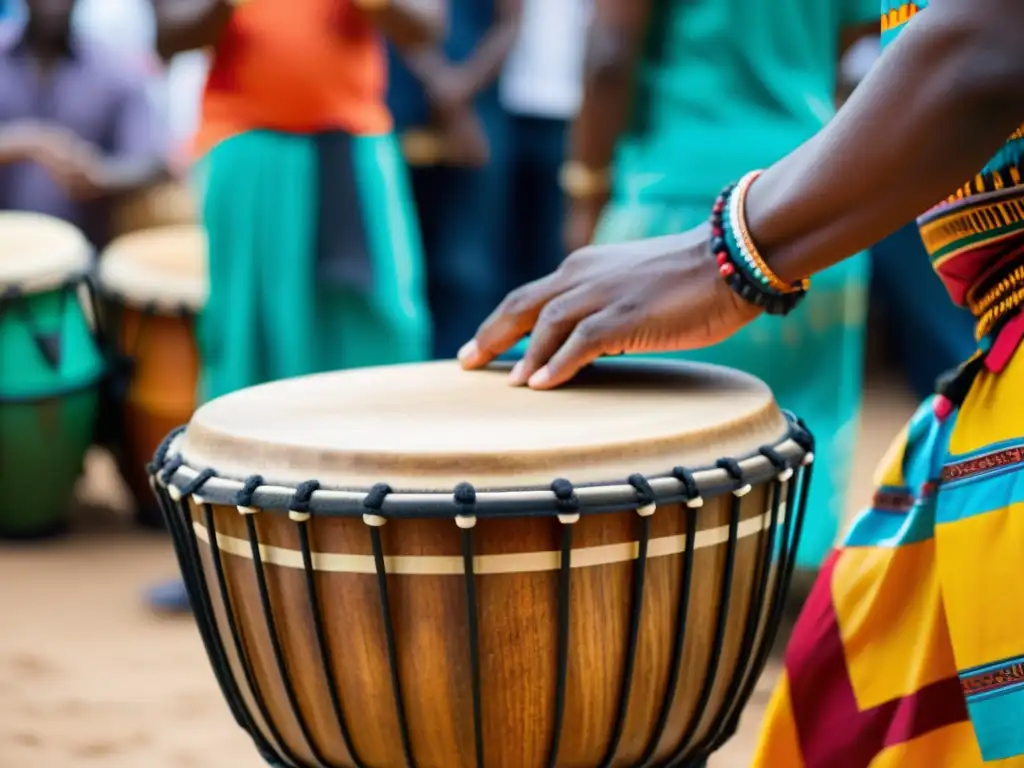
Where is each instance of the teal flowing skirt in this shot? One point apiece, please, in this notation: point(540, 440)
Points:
point(811, 359)
point(270, 313)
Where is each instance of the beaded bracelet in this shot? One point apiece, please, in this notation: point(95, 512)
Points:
point(738, 259)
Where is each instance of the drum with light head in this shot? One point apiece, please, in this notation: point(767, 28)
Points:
point(420, 566)
point(50, 368)
point(154, 283)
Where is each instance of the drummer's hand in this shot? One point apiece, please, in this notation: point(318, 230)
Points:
point(654, 295)
point(463, 140)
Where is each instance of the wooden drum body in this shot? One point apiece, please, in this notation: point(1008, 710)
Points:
point(154, 284)
point(51, 365)
point(475, 610)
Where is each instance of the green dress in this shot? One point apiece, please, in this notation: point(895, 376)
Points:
point(725, 87)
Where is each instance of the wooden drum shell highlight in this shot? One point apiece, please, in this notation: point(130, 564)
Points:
point(161, 389)
point(517, 594)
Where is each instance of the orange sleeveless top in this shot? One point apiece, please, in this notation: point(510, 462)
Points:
point(297, 66)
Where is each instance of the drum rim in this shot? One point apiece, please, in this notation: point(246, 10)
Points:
point(117, 270)
point(736, 475)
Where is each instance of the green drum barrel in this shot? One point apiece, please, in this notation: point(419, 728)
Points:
point(50, 369)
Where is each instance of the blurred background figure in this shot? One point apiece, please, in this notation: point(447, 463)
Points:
point(78, 129)
point(540, 88)
point(314, 254)
point(444, 98)
point(679, 100)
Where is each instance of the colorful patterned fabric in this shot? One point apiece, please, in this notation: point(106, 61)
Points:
point(910, 650)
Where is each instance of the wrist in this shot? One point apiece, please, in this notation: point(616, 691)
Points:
point(739, 259)
point(580, 182)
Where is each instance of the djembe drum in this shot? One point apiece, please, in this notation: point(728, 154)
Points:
point(419, 566)
point(50, 368)
point(153, 284)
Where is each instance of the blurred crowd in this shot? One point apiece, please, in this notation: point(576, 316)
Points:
point(533, 128)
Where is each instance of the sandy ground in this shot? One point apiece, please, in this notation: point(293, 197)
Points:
point(88, 677)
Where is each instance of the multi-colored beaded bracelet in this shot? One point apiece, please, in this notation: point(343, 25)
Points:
point(739, 261)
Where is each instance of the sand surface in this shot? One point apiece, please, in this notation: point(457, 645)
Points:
point(88, 677)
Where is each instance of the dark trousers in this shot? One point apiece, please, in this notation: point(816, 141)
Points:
point(536, 151)
point(462, 214)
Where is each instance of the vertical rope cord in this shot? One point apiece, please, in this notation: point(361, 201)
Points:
point(465, 498)
point(374, 521)
point(568, 507)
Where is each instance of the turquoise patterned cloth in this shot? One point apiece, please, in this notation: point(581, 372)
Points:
point(811, 359)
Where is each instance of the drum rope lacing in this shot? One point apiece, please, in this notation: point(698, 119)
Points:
point(174, 500)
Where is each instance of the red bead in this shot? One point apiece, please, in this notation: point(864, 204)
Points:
point(717, 231)
point(722, 258)
point(719, 205)
point(942, 406)
point(726, 269)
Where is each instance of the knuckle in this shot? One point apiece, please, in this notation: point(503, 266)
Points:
point(591, 332)
point(555, 313)
point(518, 302)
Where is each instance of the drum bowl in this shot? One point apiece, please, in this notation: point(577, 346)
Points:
point(620, 624)
point(155, 393)
point(47, 408)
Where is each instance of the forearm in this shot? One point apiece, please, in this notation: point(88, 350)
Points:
point(935, 108)
point(604, 114)
point(128, 176)
point(409, 24)
point(485, 62)
point(186, 25)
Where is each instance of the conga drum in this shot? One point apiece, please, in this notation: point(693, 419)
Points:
point(153, 284)
point(420, 566)
point(50, 368)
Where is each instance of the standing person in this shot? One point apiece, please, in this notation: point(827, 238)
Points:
point(447, 92)
point(541, 89)
point(910, 649)
point(314, 254)
point(77, 132)
point(678, 100)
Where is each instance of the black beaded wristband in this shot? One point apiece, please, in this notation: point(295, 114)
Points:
point(743, 278)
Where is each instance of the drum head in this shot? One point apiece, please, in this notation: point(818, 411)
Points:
point(430, 426)
point(39, 252)
point(164, 267)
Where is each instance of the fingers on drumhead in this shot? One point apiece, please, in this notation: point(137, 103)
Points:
point(513, 319)
point(590, 338)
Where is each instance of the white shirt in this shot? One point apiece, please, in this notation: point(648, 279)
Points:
point(543, 75)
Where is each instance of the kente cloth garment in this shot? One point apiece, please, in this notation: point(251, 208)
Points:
point(910, 649)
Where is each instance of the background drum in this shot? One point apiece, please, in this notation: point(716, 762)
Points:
point(153, 283)
point(167, 204)
point(475, 610)
point(50, 368)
